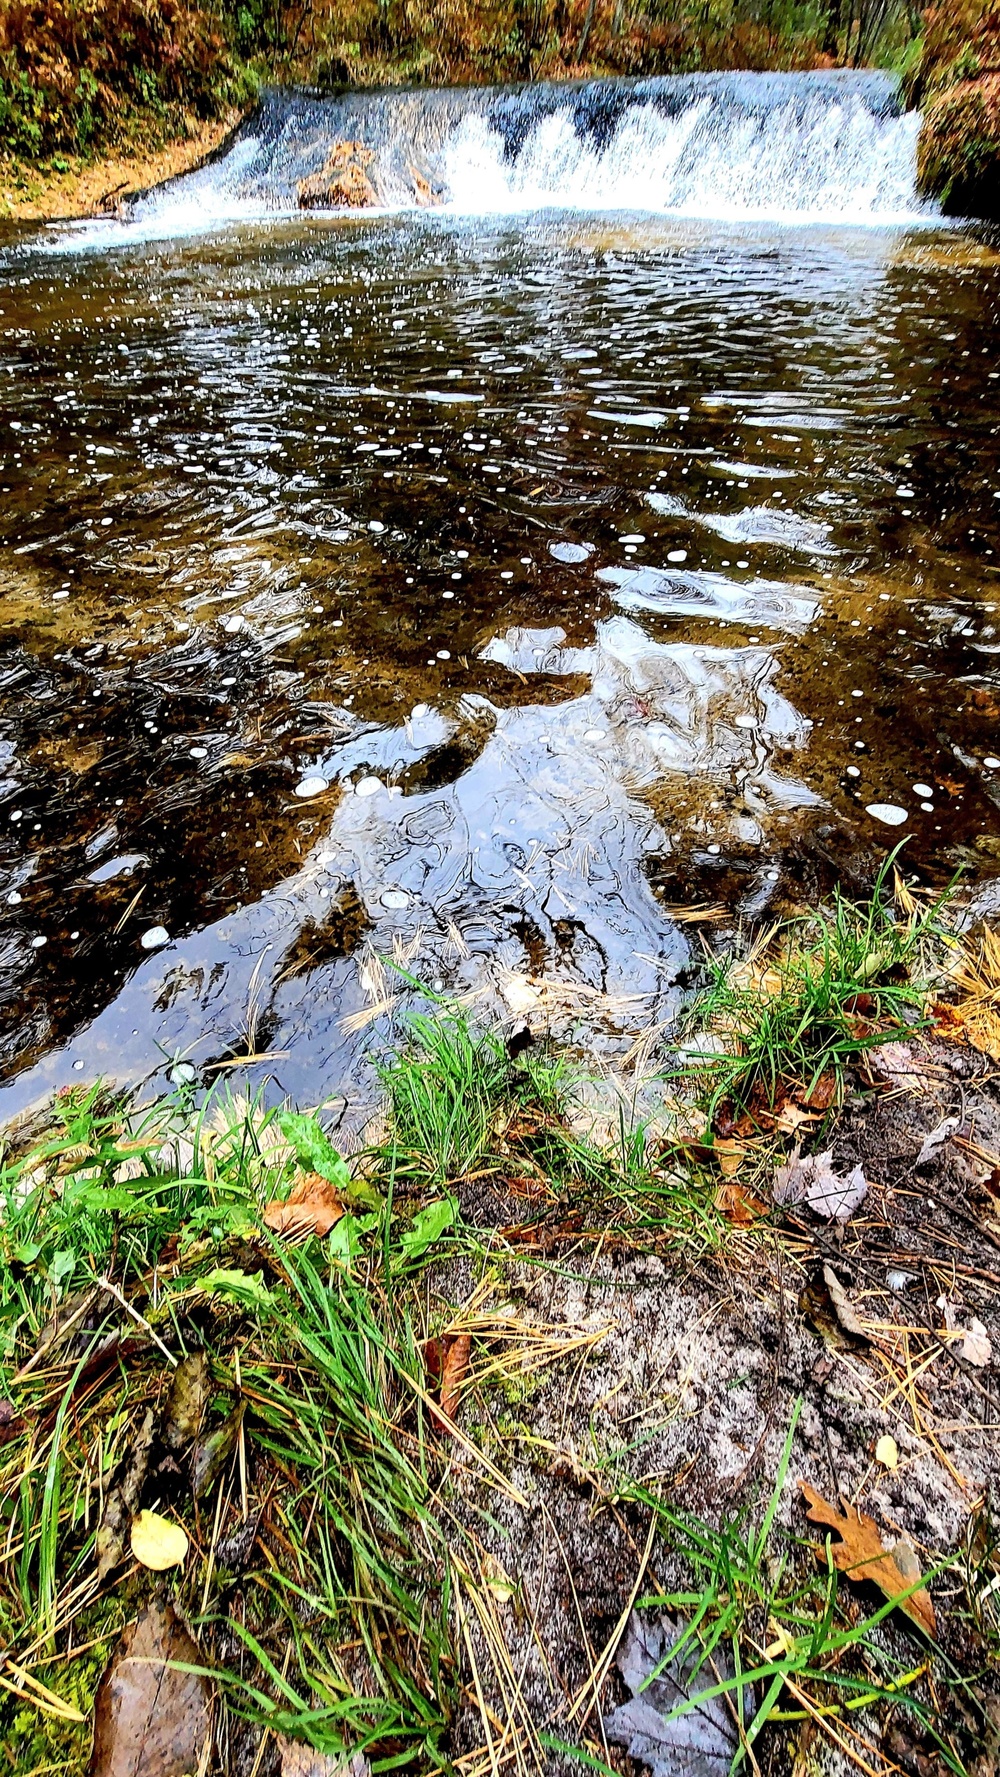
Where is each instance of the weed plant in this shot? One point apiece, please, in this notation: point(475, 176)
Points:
point(827, 989)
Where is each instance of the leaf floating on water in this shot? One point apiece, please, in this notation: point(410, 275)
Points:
point(811, 1179)
point(702, 1739)
point(185, 1408)
point(311, 1207)
point(298, 1760)
point(860, 1555)
point(158, 1543)
point(151, 1720)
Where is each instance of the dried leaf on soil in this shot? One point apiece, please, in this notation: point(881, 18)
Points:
point(739, 1205)
point(298, 1760)
point(936, 1139)
point(122, 1500)
point(311, 1207)
point(700, 1742)
point(810, 1179)
point(151, 1720)
point(887, 1452)
point(158, 1543)
point(212, 1454)
point(185, 1408)
point(843, 1307)
point(447, 1361)
point(730, 1155)
point(860, 1555)
point(976, 1347)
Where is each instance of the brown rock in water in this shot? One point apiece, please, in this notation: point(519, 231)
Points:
point(343, 182)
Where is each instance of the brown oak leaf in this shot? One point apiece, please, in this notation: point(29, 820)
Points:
point(311, 1207)
point(860, 1555)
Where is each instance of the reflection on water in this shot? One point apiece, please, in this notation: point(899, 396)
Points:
point(565, 570)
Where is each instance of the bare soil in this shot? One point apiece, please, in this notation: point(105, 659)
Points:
point(93, 188)
point(693, 1389)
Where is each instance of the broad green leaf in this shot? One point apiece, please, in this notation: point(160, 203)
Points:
point(241, 1284)
point(344, 1240)
point(313, 1148)
point(427, 1227)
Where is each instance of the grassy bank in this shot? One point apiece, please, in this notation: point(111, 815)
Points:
point(451, 1440)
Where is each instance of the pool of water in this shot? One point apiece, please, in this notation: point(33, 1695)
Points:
point(462, 598)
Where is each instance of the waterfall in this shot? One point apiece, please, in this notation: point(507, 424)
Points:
point(827, 147)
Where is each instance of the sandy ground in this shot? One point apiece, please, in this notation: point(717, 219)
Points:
point(691, 1390)
point(89, 188)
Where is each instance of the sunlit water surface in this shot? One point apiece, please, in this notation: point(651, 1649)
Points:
point(588, 568)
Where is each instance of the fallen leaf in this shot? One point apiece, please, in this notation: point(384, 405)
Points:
point(730, 1156)
point(792, 1117)
point(446, 1361)
point(151, 1720)
point(902, 1066)
point(158, 1543)
point(210, 1456)
point(299, 1760)
point(738, 1205)
point(860, 1555)
point(843, 1307)
point(702, 1738)
point(887, 1452)
point(311, 1207)
point(185, 1407)
point(122, 1500)
point(811, 1179)
point(456, 1363)
point(936, 1139)
point(976, 1347)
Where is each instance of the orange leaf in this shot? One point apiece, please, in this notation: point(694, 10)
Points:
point(730, 1156)
point(311, 1207)
point(860, 1555)
point(739, 1205)
point(456, 1363)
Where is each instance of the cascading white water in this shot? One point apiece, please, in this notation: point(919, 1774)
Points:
point(802, 148)
point(837, 163)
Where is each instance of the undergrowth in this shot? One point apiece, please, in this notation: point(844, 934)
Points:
point(815, 995)
point(316, 1488)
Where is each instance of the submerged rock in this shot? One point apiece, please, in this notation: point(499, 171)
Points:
point(343, 182)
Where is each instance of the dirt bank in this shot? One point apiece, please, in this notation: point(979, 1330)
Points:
point(92, 187)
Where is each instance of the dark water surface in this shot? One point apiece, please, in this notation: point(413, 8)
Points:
point(588, 567)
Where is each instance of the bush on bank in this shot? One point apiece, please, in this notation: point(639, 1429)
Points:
point(81, 76)
point(957, 83)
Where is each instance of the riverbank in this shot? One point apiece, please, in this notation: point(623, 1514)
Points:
point(427, 1455)
point(80, 187)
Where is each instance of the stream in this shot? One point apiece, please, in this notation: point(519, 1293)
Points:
point(466, 592)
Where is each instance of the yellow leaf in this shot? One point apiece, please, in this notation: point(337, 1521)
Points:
point(157, 1542)
point(887, 1452)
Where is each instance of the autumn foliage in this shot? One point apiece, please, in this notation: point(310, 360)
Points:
point(73, 72)
point(958, 83)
